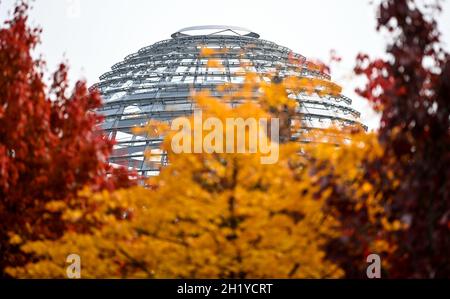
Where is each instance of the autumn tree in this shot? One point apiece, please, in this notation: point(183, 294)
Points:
point(49, 144)
point(411, 89)
point(406, 169)
point(207, 215)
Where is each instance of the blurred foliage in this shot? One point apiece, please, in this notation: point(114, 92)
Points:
point(205, 216)
point(316, 213)
point(49, 145)
point(411, 89)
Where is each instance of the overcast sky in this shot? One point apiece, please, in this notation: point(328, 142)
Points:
point(92, 35)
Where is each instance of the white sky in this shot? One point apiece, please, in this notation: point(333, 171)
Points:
point(92, 35)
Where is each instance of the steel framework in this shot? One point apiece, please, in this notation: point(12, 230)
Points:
point(156, 82)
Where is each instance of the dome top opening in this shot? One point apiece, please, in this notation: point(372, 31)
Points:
point(214, 30)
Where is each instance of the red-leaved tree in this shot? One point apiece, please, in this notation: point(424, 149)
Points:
point(411, 90)
point(49, 143)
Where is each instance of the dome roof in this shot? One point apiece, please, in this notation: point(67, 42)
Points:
point(155, 83)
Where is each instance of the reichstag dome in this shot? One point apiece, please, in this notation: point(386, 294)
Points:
point(155, 83)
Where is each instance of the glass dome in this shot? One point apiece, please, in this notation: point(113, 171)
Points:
point(155, 83)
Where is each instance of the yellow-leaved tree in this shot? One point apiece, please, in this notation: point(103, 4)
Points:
point(208, 214)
